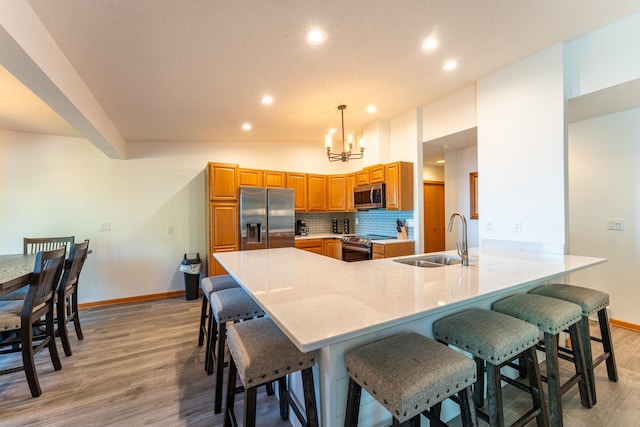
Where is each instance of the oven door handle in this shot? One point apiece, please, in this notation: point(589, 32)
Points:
point(355, 248)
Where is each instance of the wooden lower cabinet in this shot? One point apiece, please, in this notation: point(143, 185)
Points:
point(311, 245)
point(393, 249)
point(332, 248)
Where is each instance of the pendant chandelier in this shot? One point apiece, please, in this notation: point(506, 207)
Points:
point(347, 145)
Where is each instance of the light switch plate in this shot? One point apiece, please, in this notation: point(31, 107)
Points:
point(616, 224)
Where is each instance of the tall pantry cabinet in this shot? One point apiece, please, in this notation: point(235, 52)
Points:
point(222, 212)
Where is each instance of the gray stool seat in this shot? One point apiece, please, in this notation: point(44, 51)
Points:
point(217, 283)
point(591, 302)
point(491, 336)
point(408, 373)
point(553, 316)
point(550, 315)
point(494, 339)
point(227, 305)
point(261, 353)
point(208, 285)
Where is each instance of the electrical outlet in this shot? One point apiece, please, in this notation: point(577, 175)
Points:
point(488, 226)
point(105, 226)
point(357, 222)
point(517, 226)
point(169, 229)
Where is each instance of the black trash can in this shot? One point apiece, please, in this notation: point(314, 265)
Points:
point(191, 267)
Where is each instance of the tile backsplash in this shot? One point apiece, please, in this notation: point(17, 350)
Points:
point(376, 221)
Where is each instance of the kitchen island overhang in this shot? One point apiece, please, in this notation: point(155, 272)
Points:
point(331, 306)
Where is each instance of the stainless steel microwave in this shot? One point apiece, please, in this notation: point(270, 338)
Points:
point(370, 196)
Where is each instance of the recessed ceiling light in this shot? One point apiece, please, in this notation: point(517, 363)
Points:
point(332, 131)
point(246, 126)
point(450, 65)
point(316, 36)
point(372, 109)
point(440, 161)
point(430, 43)
point(267, 100)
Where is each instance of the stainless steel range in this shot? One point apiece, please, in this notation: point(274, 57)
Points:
point(359, 248)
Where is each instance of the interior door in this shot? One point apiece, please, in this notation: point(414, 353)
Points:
point(434, 226)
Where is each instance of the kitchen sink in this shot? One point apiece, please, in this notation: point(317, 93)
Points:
point(430, 261)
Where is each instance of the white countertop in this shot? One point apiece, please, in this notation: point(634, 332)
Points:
point(321, 236)
point(337, 236)
point(319, 301)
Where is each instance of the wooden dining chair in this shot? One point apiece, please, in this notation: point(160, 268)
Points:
point(19, 318)
point(67, 298)
point(32, 245)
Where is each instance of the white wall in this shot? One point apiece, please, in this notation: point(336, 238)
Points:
point(53, 186)
point(521, 140)
point(604, 58)
point(432, 173)
point(458, 165)
point(604, 182)
point(455, 113)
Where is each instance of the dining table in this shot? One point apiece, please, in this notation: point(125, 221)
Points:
point(15, 271)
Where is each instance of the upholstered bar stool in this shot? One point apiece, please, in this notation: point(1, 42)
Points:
point(410, 375)
point(591, 302)
point(261, 353)
point(494, 339)
point(552, 316)
point(208, 285)
point(227, 305)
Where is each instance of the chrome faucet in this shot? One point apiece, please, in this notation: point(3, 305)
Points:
point(463, 249)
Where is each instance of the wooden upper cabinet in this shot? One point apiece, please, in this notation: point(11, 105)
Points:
point(298, 181)
point(337, 193)
point(399, 180)
point(351, 184)
point(317, 193)
point(362, 177)
point(376, 174)
point(274, 179)
point(250, 177)
point(223, 181)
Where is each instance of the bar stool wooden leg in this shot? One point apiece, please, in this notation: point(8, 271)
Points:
point(310, 397)
point(203, 319)
point(353, 404)
point(284, 405)
point(581, 367)
point(605, 333)
point(222, 333)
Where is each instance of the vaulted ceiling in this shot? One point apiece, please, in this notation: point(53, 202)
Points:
point(167, 70)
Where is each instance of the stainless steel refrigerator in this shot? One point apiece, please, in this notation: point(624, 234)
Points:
point(267, 218)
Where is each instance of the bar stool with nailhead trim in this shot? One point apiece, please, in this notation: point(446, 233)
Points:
point(410, 375)
point(261, 353)
point(228, 305)
point(591, 302)
point(552, 316)
point(208, 285)
point(494, 339)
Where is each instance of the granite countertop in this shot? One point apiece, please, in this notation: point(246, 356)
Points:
point(320, 301)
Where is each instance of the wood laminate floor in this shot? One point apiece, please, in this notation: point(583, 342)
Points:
point(140, 365)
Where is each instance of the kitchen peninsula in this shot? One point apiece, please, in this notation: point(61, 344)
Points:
point(331, 306)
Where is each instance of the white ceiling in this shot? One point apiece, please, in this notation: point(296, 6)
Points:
point(167, 70)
